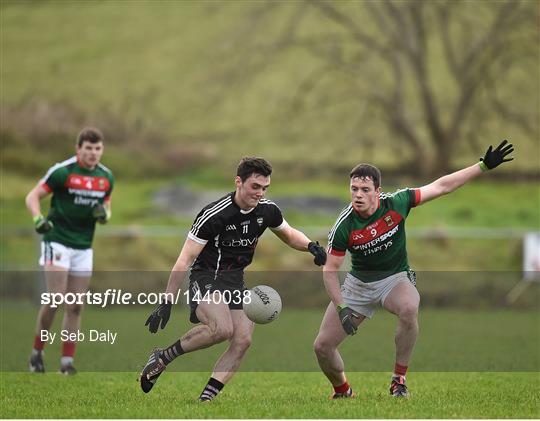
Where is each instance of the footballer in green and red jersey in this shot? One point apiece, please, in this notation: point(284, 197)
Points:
point(76, 191)
point(377, 244)
point(372, 229)
point(81, 189)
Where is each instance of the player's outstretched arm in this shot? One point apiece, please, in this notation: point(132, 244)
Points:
point(299, 241)
point(447, 184)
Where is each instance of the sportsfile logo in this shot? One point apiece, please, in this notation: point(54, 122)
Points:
point(109, 297)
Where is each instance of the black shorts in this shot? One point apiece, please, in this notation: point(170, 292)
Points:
point(205, 287)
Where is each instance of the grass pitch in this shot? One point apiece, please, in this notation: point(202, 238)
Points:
point(467, 364)
point(269, 395)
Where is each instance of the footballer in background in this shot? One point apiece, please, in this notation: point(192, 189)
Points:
point(372, 229)
point(81, 196)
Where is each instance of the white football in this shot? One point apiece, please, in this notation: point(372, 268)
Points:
point(263, 305)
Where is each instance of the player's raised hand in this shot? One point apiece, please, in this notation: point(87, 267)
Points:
point(495, 157)
point(160, 314)
point(320, 254)
point(42, 224)
point(346, 316)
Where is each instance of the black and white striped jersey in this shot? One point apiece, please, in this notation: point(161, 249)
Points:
point(230, 234)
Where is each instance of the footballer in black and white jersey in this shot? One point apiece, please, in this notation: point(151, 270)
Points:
point(219, 246)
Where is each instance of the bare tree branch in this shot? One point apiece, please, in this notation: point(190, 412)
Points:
point(444, 15)
point(497, 28)
point(307, 86)
point(347, 23)
point(404, 37)
point(479, 64)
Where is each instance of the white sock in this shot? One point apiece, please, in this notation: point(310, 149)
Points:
point(66, 361)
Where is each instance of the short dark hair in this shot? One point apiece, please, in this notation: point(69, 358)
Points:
point(90, 134)
point(253, 165)
point(367, 171)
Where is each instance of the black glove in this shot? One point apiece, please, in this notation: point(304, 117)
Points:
point(320, 254)
point(42, 224)
point(160, 314)
point(494, 158)
point(100, 213)
point(346, 315)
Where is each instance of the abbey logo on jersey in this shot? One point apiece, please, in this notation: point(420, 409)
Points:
point(242, 242)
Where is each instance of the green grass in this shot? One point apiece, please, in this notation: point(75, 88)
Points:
point(467, 364)
point(269, 395)
point(450, 340)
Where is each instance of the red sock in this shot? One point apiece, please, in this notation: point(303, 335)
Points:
point(68, 349)
point(343, 388)
point(38, 343)
point(400, 370)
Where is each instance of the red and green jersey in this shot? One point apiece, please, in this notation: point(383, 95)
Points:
point(377, 244)
point(76, 190)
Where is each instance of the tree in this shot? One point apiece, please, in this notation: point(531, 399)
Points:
point(440, 74)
